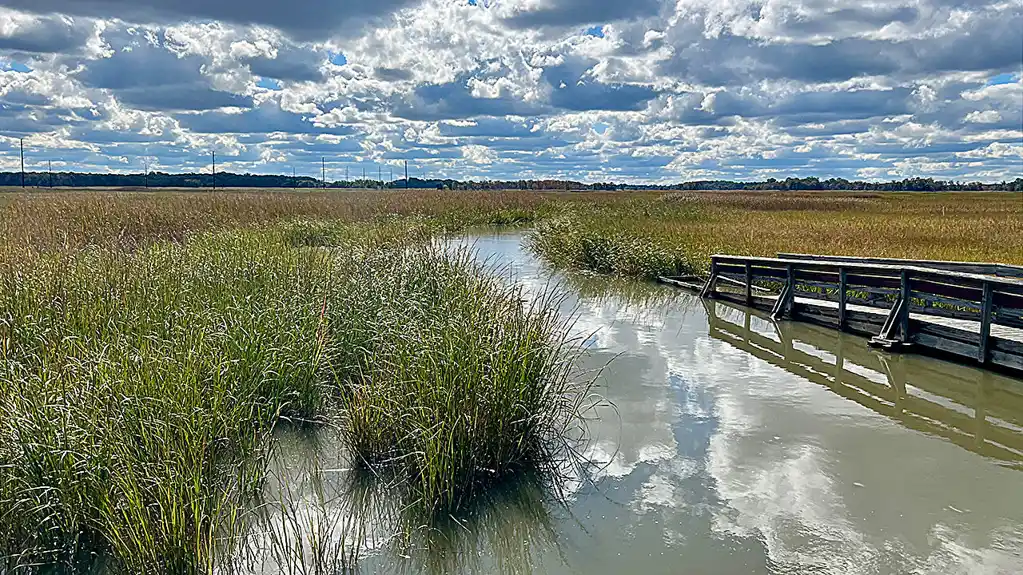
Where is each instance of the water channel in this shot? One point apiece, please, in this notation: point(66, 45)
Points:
point(734, 445)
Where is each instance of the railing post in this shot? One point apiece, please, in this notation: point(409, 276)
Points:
point(708, 289)
point(904, 294)
point(749, 284)
point(985, 322)
point(843, 299)
point(790, 296)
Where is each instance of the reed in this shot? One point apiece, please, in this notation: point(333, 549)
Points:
point(140, 387)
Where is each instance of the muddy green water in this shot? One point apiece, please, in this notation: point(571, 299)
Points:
point(735, 445)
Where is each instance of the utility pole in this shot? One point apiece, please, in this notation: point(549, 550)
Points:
point(214, 171)
point(406, 174)
point(380, 177)
point(145, 164)
point(294, 182)
point(392, 172)
point(346, 174)
point(23, 163)
point(364, 175)
point(49, 168)
point(323, 171)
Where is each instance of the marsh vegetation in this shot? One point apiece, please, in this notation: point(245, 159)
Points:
point(153, 346)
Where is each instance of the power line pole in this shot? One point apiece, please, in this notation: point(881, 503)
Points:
point(294, 182)
point(406, 174)
point(145, 164)
point(364, 175)
point(346, 174)
point(23, 163)
point(380, 177)
point(214, 171)
point(49, 168)
point(323, 171)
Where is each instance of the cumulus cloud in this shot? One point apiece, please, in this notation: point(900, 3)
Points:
point(653, 90)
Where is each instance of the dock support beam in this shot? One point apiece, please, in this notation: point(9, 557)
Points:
point(708, 288)
point(787, 298)
point(843, 297)
point(749, 284)
point(985, 322)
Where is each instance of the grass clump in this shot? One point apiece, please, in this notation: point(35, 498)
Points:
point(473, 391)
point(140, 388)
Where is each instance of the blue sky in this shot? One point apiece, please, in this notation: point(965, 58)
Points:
point(595, 90)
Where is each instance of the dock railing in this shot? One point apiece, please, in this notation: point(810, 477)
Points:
point(976, 317)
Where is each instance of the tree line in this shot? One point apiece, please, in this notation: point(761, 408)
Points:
point(232, 180)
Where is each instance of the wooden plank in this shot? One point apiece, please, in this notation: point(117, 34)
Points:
point(943, 331)
point(1009, 271)
point(950, 291)
point(731, 268)
point(962, 280)
point(1009, 361)
point(943, 307)
point(968, 267)
point(858, 279)
point(1007, 299)
point(1009, 284)
point(1009, 346)
point(944, 345)
point(828, 277)
point(768, 272)
point(1008, 317)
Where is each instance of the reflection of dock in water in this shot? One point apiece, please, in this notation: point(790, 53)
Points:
point(975, 409)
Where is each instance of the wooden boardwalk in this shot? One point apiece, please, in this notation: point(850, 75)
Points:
point(955, 310)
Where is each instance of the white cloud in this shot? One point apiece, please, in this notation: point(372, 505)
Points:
point(654, 90)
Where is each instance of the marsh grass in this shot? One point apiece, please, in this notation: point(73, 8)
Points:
point(140, 386)
point(651, 235)
point(70, 220)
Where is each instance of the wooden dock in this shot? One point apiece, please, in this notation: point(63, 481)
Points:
point(955, 310)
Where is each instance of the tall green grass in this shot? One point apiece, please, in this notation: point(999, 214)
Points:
point(139, 388)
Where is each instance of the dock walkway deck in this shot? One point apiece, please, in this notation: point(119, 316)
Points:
point(958, 310)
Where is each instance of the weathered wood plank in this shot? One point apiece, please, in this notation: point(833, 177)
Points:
point(829, 277)
point(1007, 360)
point(996, 269)
point(1008, 346)
point(951, 278)
point(943, 307)
point(1009, 284)
point(971, 338)
point(1007, 299)
point(875, 281)
point(814, 316)
point(1008, 317)
point(946, 290)
point(944, 345)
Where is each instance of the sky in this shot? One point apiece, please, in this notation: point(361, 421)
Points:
point(595, 90)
